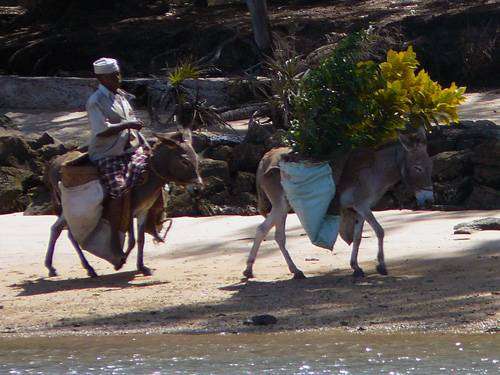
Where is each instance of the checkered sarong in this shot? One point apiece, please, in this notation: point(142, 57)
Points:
point(121, 173)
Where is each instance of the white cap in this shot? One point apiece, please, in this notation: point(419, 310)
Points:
point(105, 65)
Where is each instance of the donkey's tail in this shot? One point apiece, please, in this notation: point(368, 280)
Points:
point(347, 223)
point(263, 202)
point(51, 176)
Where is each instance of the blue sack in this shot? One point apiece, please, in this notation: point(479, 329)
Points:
point(310, 188)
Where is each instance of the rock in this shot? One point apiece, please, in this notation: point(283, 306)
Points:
point(493, 330)
point(487, 175)
point(44, 139)
point(261, 320)
point(181, 203)
point(49, 151)
point(6, 122)
point(244, 182)
point(258, 133)
point(247, 157)
point(489, 223)
point(244, 112)
point(487, 153)
point(403, 196)
point(40, 202)
point(452, 193)
point(451, 164)
point(213, 185)
point(15, 151)
point(214, 168)
point(223, 152)
point(483, 198)
point(248, 201)
point(12, 188)
point(465, 135)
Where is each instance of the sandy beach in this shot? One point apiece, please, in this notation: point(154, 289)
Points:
point(438, 281)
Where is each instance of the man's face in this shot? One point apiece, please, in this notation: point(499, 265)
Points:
point(112, 81)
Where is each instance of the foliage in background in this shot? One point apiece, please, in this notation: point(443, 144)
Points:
point(185, 70)
point(175, 98)
point(348, 102)
point(283, 70)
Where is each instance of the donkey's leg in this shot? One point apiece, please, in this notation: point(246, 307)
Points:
point(55, 232)
point(358, 232)
point(280, 237)
point(261, 233)
point(85, 264)
point(379, 231)
point(131, 238)
point(141, 229)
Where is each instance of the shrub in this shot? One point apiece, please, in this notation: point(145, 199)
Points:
point(347, 102)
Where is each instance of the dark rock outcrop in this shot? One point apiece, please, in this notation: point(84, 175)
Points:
point(489, 223)
point(22, 163)
point(466, 171)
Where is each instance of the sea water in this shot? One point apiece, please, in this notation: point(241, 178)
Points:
point(265, 353)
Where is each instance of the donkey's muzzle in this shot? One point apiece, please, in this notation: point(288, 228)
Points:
point(425, 197)
point(196, 187)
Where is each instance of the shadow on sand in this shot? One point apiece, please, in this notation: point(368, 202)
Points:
point(120, 280)
point(418, 293)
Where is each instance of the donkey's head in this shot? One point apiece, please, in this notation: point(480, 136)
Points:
point(416, 166)
point(174, 158)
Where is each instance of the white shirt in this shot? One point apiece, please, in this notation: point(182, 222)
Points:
point(105, 110)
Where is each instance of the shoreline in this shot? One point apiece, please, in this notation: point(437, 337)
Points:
point(197, 288)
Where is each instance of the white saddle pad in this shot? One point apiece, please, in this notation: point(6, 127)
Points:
point(82, 209)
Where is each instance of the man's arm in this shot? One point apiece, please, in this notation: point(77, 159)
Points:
point(117, 128)
point(103, 128)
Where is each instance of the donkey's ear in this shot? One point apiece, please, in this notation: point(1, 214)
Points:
point(413, 139)
point(421, 135)
point(167, 140)
point(405, 140)
point(187, 136)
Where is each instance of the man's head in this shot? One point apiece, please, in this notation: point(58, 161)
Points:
point(107, 72)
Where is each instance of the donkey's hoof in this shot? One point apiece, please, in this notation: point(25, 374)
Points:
point(358, 273)
point(120, 264)
point(382, 270)
point(299, 275)
point(91, 272)
point(248, 274)
point(146, 271)
point(52, 272)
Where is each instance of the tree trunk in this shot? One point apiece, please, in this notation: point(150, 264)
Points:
point(260, 24)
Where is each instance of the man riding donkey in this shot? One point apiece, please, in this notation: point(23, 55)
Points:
point(120, 170)
point(116, 146)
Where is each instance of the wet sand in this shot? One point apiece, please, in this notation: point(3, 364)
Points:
point(437, 282)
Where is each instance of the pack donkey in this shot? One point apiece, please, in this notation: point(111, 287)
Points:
point(366, 177)
point(173, 159)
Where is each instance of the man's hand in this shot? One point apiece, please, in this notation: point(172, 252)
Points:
point(136, 125)
point(117, 128)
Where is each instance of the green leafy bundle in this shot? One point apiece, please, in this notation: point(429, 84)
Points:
point(347, 103)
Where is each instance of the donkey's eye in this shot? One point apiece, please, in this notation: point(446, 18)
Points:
point(419, 169)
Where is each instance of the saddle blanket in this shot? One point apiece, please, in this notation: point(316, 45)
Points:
point(310, 188)
point(82, 209)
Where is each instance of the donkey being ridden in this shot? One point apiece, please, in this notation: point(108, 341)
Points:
point(366, 177)
point(173, 159)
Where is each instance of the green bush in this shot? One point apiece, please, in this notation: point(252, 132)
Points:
point(347, 102)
